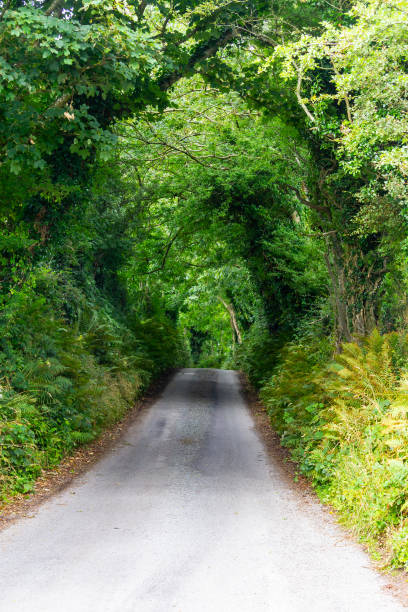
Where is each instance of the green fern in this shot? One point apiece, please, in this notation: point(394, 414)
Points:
point(82, 437)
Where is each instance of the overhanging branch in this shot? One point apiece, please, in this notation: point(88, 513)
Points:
point(203, 53)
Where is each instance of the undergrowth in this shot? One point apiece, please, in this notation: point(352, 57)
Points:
point(344, 419)
point(64, 379)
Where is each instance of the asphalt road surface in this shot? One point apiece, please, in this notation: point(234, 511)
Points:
point(187, 514)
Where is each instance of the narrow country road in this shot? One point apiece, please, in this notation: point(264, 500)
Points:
point(188, 514)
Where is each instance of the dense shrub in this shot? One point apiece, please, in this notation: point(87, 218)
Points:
point(344, 419)
point(63, 381)
point(259, 353)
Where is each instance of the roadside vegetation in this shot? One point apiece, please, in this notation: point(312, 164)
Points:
point(218, 184)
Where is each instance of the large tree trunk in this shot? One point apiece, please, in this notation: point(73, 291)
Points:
point(236, 334)
point(355, 288)
point(335, 267)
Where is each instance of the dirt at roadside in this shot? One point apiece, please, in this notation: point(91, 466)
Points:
point(53, 481)
point(278, 453)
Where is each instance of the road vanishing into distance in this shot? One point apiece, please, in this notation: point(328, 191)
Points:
point(189, 514)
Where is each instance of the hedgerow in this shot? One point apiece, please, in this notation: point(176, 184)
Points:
point(64, 381)
point(343, 417)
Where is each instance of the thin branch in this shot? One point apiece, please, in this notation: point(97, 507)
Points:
point(304, 200)
point(57, 5)
point(201, 54)
point(141, 9)
point(345, 96)
point(299, 97)
point(166, 253)
point(320, 234)
point(5, 9)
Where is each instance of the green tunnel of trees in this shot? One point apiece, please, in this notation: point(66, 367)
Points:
point(218, 183)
